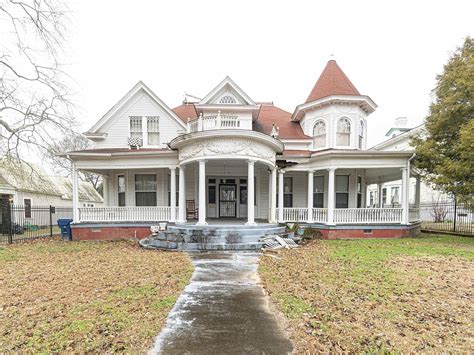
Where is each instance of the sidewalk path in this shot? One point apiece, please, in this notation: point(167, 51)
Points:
point(223, 310)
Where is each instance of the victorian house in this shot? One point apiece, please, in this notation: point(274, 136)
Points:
point(228, 159)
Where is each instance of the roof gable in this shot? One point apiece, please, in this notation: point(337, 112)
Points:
point(332, 81)
point(227, 88)
point(140, 86)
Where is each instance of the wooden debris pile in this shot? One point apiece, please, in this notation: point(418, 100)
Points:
point(277, 242)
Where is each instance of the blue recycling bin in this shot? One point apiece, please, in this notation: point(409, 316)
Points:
point(65, 226)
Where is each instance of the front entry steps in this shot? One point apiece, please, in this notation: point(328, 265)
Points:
point(212, 237)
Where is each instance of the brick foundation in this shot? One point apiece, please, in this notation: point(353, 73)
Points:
point(359, 233)
point(109, 233)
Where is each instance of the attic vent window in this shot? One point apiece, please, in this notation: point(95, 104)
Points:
point(227, 100)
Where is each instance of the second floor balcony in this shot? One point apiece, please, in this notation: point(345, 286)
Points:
point(217, 121)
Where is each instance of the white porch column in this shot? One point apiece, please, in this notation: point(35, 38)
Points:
point(250, 192)
point(75, 194)
point(310, 195)
point(331, 194)
point(273, 218)
point(182, 194)
point(417, 192)
point(379, 195)
point(202, 193)
point(173, 194)
point(405, 195)
point(280, 196)
point(105, 189)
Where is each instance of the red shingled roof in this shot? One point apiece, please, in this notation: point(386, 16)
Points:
point(185, 111)
point(270, 114)
point(332, 81)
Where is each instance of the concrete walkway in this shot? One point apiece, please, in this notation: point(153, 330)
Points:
point(223, 310)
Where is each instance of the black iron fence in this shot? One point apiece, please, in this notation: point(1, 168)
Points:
point(25, 222)
point(451, 217)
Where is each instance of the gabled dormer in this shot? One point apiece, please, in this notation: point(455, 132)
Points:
point(225, 106)
point(335, 113)
point(139, 119)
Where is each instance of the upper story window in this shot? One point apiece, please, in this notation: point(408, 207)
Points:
point(153, 130)
point(144, 130)
point(227, 100)
point(319, 134)
point(136, 132)
point(361, 134)
point(343, 135)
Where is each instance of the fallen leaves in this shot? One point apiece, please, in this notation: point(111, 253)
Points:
point(376, 296)
point(86, 296)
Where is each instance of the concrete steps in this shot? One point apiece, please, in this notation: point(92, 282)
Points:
point(212, 237)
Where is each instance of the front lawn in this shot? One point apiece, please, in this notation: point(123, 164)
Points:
point(60, 296)
point(405, 295)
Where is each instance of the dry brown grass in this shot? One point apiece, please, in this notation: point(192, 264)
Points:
point(406, 295)
point(86, 296)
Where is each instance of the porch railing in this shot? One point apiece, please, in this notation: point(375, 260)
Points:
point(219, 121)
point(367, 215)
point(320, 215)
point(125, 214)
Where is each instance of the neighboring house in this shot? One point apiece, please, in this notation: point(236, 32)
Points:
point(26, 185)
point(227, 157)
point(388, 193)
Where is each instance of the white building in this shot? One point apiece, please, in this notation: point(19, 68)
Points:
point(25, 184)
point(229, 157)
point(388, 193)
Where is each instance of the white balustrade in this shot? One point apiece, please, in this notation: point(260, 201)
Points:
point(367, 215)
point(414, 214)
point(219, 121)
point(125, 214)
point(320, 215)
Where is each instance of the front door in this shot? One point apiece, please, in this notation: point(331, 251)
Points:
point(227, 200)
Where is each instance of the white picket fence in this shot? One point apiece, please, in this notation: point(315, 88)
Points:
point(125, 214)
point(367, 215)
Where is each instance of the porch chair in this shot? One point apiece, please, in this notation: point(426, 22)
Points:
point(191, 210)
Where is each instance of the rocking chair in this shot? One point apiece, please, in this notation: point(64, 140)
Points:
point(191, 210)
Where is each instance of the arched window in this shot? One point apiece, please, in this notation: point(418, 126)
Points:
point(319, 134)
point(361, 134)
point(343, 136)
point(227, 100)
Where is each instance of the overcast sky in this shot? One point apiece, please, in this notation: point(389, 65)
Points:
point(274, 50)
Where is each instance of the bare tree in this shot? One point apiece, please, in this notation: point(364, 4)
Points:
point(35, 99)
point(61, 165)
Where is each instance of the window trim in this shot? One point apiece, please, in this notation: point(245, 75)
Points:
point(145, 191)
point(342, 192)
point(147, 132)
point(361, 134)
point(28, 215)
point(351, 124)
point(325, 133)
point(319, 193)
point(117, 189)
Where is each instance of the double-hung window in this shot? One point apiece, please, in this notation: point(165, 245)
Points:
point(359, 192)
point(153, 130)
point(287, 192)
point(121, 190)
point(136, 131)
point(395, 195)
point(145, 190)
point(343, 134)
point(318, 192)
point(384, 197)
point(342, 191)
